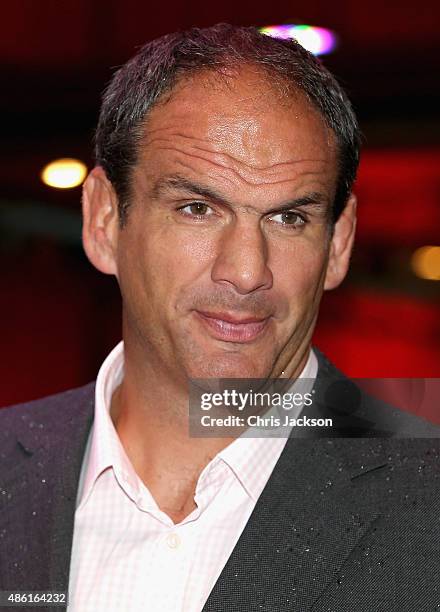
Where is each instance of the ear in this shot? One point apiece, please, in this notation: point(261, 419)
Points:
point(341, 245)
point(100, 221)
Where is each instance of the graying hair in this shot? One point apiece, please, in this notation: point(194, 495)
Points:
point(140, 83)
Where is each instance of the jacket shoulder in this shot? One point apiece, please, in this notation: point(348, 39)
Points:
point(46, 405)
point(43, 417)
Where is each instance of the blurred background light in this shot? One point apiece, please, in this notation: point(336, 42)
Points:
point(425, 262)
point(318, 41)
point(64, 173)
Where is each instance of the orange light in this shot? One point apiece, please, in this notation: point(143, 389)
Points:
point(425, 262)
point(64, 173)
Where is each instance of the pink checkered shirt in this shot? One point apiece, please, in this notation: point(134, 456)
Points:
point(127, 554)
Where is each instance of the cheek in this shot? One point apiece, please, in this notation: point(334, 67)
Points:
point(299, 269)
point(194, 251)
point(158, 264)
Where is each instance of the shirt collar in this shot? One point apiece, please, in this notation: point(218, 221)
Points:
point(252, 459)
point(105, 449)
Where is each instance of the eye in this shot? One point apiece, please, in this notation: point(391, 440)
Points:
point(196, 209)
point(289, 218)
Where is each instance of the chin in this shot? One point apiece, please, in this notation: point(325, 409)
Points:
point(228, 366)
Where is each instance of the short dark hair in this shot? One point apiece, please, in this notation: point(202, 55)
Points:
point(161, 63)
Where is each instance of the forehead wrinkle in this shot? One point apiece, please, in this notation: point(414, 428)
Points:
point(226, 162)
point(209, 149)
point(260, 167)
point(223, 175)
point(204, 147)
point(232, 180)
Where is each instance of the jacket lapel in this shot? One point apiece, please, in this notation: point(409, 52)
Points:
point(310, 515)
point(304, 525)
point(38, 504)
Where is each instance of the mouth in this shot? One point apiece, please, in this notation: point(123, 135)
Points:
point(230, 328)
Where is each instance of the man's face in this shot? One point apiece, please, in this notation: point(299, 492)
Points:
point(223, 259)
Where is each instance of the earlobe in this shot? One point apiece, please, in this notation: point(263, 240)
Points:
point(100, 221)
point(341, 245)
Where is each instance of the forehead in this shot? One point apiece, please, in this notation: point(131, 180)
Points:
point(242, 129)
point(244, 111)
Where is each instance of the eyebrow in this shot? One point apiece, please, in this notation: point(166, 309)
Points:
point(177, 182)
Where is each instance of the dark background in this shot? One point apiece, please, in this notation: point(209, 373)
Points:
point(59, 317)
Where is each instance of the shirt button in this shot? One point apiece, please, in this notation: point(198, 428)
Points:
point(173, 540)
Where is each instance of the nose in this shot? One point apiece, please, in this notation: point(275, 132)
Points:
point(242, 258)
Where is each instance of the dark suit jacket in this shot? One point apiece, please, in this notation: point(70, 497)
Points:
point(343, 524)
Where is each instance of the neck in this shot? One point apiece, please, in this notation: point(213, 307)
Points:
point(150, 413)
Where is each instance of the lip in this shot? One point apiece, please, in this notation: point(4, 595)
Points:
point(230, 328)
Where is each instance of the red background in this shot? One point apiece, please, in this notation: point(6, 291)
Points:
point(59, 317)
